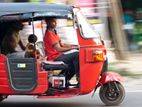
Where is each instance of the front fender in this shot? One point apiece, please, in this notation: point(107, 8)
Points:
point(110, 76)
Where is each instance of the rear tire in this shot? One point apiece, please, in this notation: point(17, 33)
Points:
point(1, 98)
point(112, 93)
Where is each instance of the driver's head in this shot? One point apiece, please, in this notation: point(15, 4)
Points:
point(51, 23)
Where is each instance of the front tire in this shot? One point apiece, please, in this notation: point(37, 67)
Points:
point(112, 93)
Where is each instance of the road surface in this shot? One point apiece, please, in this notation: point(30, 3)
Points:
point(132, 99)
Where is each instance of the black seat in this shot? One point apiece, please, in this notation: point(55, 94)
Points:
point(54, 65)
point(57, 65)
point(22, 74)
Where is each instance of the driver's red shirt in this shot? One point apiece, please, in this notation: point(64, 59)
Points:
point(50, 40)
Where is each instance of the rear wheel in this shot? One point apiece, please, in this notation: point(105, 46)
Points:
point(112, 93)
point(2, 97)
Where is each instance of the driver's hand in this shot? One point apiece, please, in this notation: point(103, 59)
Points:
point(75, 46)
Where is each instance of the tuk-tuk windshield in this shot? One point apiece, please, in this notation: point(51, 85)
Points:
point(86, 29)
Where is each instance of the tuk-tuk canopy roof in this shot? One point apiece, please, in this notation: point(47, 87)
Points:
point(33, 10)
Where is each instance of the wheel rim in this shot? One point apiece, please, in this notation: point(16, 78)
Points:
point(112, 94)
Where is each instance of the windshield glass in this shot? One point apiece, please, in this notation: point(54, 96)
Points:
point(86, 29)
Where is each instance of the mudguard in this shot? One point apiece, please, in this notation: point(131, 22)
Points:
point(110, 76)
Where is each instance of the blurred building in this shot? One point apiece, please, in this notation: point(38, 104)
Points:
point(6, 0)
point(132, 10)
point(21, 0)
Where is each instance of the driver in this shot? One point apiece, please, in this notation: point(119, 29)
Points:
point(56, 50)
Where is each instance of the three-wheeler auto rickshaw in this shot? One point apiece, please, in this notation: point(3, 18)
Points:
point(35, 77)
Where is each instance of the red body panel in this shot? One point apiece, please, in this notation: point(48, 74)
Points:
point(65, 94)
point(89, 70)
point(5, 88)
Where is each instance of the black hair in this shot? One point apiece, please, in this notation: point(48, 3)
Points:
point(17, 25)
point(32, 38)
point(48, 21)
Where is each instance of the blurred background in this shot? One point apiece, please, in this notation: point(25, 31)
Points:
point(120, 25)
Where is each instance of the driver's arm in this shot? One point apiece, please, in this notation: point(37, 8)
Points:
point(60, 48)
point(69, 45)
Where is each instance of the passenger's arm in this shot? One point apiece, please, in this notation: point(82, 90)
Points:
point(22, 45)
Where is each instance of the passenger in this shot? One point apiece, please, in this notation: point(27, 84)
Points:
point(30, 48)
point(11, 38)
point(56, 50)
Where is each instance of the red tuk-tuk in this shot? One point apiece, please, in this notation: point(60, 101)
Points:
point(31, 76)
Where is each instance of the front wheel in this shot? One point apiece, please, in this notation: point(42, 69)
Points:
point(112, 93)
